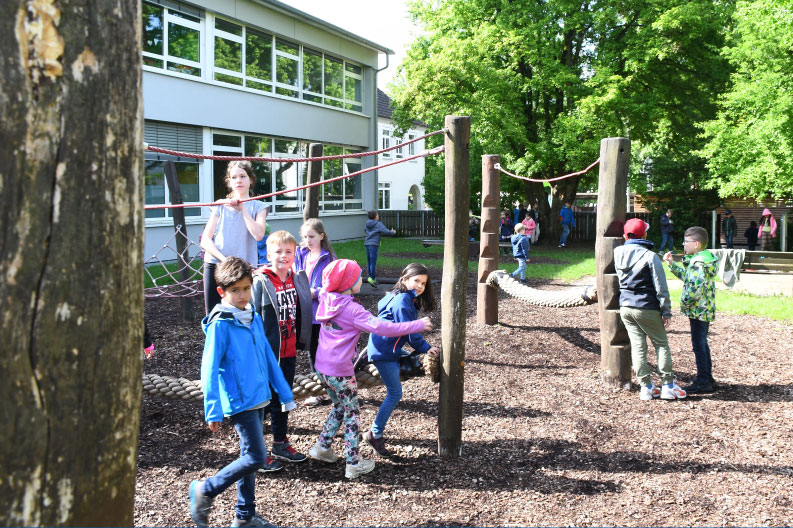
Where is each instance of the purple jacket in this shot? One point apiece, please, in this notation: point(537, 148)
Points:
point(342, 321)
point(315, 281)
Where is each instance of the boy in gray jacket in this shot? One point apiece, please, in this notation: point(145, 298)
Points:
point(374, 229)
point(645, 309)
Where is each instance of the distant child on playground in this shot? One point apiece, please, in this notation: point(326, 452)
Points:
point(238, 370)
point(374, 229)
point(342, 321)
point(751, 235)
point(505, 229)
point(646, 309)
point(698, 300)
point(520, 250)
point(282, 298)
point(412, 292)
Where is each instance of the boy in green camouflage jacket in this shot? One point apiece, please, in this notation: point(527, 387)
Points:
point(698, 301)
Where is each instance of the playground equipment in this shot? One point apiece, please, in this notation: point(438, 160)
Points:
point(567, 298)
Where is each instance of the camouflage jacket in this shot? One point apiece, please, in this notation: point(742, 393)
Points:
point(698, 273)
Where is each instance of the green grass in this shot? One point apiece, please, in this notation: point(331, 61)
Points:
point(777, 307)
point(159, 273)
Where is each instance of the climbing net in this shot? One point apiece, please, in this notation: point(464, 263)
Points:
point(185, 279)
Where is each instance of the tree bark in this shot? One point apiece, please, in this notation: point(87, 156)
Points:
point(71, 292)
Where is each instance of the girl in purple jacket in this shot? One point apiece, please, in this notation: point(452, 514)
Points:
point(342, 321)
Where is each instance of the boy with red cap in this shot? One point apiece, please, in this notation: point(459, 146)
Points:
point(646, 309)
point(343, 320)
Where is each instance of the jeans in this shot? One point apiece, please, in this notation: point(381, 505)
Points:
point(253, 454)
point(642, 323)
point(699, 342)
point(565, 234)
point(211, 295)
point(389, 373)
point(521, 268)
point(371, 260)
point(667, 237)
point(728, 239)
point(278, 417)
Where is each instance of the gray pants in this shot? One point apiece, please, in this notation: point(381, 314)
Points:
point(642, 323)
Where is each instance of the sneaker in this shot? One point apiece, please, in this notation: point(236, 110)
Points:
point(361, 468)
point(285, 451)
point(271, 465)
point(324, 454)
point(200, 504)
point(253, 521)
point(649, 393)
point(378, 444)
point(372, 282)
point(698, 387)
point(672, 393)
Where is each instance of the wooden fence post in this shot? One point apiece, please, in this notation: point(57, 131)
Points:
point(615, 358)
point(311, 208)
point(180, 226)
point(453, 291)
point(487, 297)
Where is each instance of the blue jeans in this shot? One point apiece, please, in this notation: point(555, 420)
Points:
point(279, 418)
point(729, 240)
point(565, 234)
point(667, 237)
point(699, 342)
point(521, 268)
point(371, 260)
point(389, 373)
point(253, 454)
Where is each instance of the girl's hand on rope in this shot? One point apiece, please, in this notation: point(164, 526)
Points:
point(214, 426)
point(234, 203)
point(427, 324)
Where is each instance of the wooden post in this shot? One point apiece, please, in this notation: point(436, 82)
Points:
point(311, 208)
point(180, 226)
point(487, 297)
point(453, 291)
point(615, 358)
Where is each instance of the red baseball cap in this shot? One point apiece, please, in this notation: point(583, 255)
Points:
point(636, 227)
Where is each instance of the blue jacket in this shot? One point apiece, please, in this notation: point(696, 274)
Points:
point(520, 246)
point(667, 226)
point(373, 230)
point(567, 216)
point(238, 366)
point(641, 276)
point(396, 308)
point(505, 231)
point(315, 281)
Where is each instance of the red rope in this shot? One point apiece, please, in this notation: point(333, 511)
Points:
point(497, 166)
point(287, 160)
point(436, 150)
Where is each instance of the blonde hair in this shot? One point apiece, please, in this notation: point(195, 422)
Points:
point(520, 228)
point(244, 165)
point(280, 237)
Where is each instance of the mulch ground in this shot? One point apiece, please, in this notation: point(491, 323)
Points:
point(544, 443)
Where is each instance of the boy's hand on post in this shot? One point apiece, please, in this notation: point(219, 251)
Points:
point(214, 426)
point(427, 324)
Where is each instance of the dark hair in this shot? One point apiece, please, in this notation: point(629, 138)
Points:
point(632, 236)
point(372, 214)
point(752, 224)
point(231, 270)
point(697, 233)
point(425, 301)
point(317, 225)
point(244, 165)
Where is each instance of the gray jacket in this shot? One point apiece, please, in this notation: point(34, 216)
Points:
point(641, 276)
point(373, 230)
point(265, 303)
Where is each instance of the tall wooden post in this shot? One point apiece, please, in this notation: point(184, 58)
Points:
point(311, 208)
point(180, 226)
point(455, 275)
point(487, 297)
point(615, 357)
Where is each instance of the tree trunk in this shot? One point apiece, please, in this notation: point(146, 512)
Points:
point(71, 252)
point(561, 191)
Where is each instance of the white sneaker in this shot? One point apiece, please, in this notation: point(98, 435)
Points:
point(649, 393)
point(362, 467)
point(672, 393)
point(320, 453)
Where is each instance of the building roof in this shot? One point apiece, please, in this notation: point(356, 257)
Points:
point(385, 111)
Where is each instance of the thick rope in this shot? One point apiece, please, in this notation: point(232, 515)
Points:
point(498, 167)
point(566, 298)
point(303, 386)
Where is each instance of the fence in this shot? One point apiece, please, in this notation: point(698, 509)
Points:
point(412, 223)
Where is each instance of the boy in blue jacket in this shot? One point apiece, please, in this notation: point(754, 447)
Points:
point(237, 369)
point(520, 250)
point(567, 219)
point(373, 230)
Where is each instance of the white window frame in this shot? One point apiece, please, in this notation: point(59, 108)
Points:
point(384, 199)
point(386, 142)
point(200, 26)
point(240, 39)
point(411, 146)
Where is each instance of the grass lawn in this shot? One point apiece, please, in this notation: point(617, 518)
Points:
point(160, 276)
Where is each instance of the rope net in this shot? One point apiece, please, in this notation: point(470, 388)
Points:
point(170, 283)
point(498, 167)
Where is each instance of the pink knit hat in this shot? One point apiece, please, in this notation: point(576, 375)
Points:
point(340, 275)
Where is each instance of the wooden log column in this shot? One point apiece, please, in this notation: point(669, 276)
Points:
point(615, 357)
point(311, 208)
point(180, 226)
point(455, 274)
point(487, 297)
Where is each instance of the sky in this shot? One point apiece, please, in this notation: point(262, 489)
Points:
point(384, 22)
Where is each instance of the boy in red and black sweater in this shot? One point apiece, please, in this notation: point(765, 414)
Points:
point(283, 299)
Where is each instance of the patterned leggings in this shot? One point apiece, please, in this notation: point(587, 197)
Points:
point(343, 392)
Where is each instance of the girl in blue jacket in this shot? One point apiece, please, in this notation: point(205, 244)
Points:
point(412, 292)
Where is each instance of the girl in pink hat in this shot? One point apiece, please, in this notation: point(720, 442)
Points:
point(767, 230)
point(343, 320)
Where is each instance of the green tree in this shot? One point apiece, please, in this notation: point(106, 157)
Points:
point(750, 143)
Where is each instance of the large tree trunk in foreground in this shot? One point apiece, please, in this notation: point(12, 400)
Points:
point(71, 289)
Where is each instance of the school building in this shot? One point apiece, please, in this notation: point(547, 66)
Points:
point(257, 78)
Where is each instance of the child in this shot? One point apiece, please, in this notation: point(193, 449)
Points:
point(751, 235)
point(520, 250)
point(342, 321)
point(261, 248)
point(283, 299)
point(238, 370)
point(767, 230)
point(505, 230)
point(531, 225)
point(412, 292)
point(567, 219)
point(645, 309)
point(233, 229)
point(373, 229)
point(698, 301)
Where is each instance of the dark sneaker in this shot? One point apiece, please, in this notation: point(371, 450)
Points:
point(284, 451)
point(378, 444)
point(271, 465)
point(700, 388)
point(200, 504)
point(253, 521)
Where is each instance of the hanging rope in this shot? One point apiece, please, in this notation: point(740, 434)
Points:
point(567, 298)
point(498, 167)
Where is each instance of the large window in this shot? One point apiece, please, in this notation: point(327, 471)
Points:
point(383, 195)
point(172, 39)
point(158, 192)
point(386, 142)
